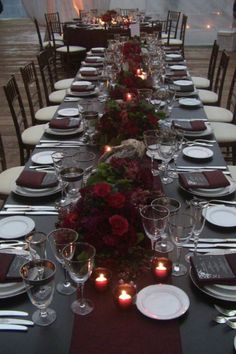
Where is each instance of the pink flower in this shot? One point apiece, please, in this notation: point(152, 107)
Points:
point(102, 189)
point(116, 200)
point(119, 224)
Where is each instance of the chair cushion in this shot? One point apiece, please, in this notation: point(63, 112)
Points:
point(200, 82)
point(32, 135)
point(72, 49)
point(172, 41)
point(224, 132)
point(57, 96)
point(58, 36)
point(232, 169)
point(58, 43)
point(218, 114)
point(45, 114)
point(207, 96)
point(8, 177)
point(165, 35)
point(63, 84)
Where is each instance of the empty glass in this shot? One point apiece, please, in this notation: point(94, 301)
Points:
point(151, 142)
point(36, 242)
point(166, 149)
point(40, 288)
point(58, 240)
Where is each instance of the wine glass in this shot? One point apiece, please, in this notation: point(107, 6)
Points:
point(40, 288)
point(181, 227)
point(166, 149)
point(197, 207)
point(151, 142)
point(154, 220)
point(79, 260)
point(179, 138)
point(173, 205)
point(58, 239)
point(170, 100)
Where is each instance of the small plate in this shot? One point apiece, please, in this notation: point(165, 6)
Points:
point(178, 67)
point(11, 289)
point(183, 82)
point(162, 302)
point(221, 215)
point(30, 192)
point(15, 227)
point(189, 102)
point(174, 56)
point(68, 112)
point(197, 152)
point(43, 158)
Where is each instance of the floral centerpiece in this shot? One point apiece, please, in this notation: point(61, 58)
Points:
point(107, 215)
point(108, 16)
point(126, 120)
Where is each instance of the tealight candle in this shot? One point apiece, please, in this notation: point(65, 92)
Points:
point(143, 76)
point(124, 295)
point(107, 148)
point(128, 97)
point(124, 299)
point(161, 268)
point(139, 72)
point(101, 282)
point(101, 278)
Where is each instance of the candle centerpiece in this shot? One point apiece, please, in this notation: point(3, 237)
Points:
point(161, 268)
point(101, 277)
point(125, 295)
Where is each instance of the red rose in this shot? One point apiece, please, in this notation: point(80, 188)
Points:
point(102, 189)
point(116, 200)
point(119, 224)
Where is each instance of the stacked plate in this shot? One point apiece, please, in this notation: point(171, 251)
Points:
point(72, 131)
point(31, 192)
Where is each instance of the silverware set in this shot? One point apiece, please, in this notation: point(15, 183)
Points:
point(28, 209)
point(14, 324)
point(227, 316)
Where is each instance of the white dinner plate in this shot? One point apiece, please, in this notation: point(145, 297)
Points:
point(197, 152)
point(205, 132)
point(68, 112)
point(183, 82)
point(174, 56)
point(43, 158)
point(11, 289)
point(189, 102)
point(96, 65)
point(15, 227)
point(82, 93)
point(30, 192)
point(221, 215)
point(162, 302)
point(88, 69)
point(178, 67)
point(217, 192)
point(74, 131)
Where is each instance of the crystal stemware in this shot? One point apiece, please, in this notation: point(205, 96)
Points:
point(151, 142)
point(154, 220)
point(40, 288)
point(79, 260)
point(58, 239)
point(181, 227)
point(166, 149)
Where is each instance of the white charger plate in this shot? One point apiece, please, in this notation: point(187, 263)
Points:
point(83, 93)
point(62, 132)
point(205, 132)
point(178, 67)
point(189, 102)
point(221, 215)
point(174, 56)
point(43, 158)
point(68, 112)
point(183, 82)
point(30, 192)
point(162, 302)
point(11, 289)
point(197, 152)
point(15, 227)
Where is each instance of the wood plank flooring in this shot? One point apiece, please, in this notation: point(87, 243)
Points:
point(19, 45)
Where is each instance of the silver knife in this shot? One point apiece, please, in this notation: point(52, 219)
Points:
point(37, 207)
point(13, 313)
point(20, 212)
point(59, 145)
point(201, 167)
point(209, 250)
point(211, 245)
point(16, 321)
point(216, 240)
point(11, 327)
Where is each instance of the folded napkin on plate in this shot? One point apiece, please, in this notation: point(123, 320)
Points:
point(88, 71)
point(64, 123)
point(188, 125)
point(98, 50)
point(36, 180)
point(10, 267)
point(220, 269)
point(177, 73)
point(184, 88)
point(93, 60)
point(80, 87)
point(205, 179)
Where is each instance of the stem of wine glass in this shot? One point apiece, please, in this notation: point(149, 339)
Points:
point(81, 296)
point(195, 241)
point(43, 313)
point(153, 244)
point(165, 163)
point(66, 278)
point(152, 163)
point(179, 251)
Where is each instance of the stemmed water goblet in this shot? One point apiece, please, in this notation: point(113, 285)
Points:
point(40, 288)
point(151, 143)
point(58, 239)
point(166, 149)
point(181, 226)
point(170, 100)
point(79, 260)
point(154, 220)
point(179, 138)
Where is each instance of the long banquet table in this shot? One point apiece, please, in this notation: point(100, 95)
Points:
point(199, 332)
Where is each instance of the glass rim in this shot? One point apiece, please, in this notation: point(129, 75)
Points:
point(157, 218)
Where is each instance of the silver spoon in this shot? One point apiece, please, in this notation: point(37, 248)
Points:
point(226, 312)
point(224, 319)
point(231, 323)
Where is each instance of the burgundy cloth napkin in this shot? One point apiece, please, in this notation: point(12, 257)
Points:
point(214, 269)
point(194, 125)
point(64, 123)
point(36, 180)
point(178, 73)
point(81, 88)
point(110, 330)
point(205, 179)
point(5, 264)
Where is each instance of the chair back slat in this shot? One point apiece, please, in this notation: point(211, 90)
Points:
point(2, 156)
point(231, 101)
point(212, 63)
point(44, 59)
point(220, 76)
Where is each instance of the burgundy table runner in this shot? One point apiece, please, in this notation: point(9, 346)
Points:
point(111, 330)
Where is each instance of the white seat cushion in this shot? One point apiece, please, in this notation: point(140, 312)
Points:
point(173, 41)
point(58, 36)
point(32, 135)
point(8, 177)
point(72, 49)
point(207, 96)
point(57, 96)
point(218, 114)
point(232, 169)
point(45, 114)
point(200, 82)
point(63, 84)
point(58, 43)
point(165, 35)
point(224, 132)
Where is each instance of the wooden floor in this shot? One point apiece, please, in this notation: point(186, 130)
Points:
point(19, 45)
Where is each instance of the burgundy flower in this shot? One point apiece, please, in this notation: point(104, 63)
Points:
point(116, 200)
point(119, 224)
point(102, 189)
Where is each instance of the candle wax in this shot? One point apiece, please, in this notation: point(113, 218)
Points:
point(161, 270)
point(101, 282)
point(124, 299)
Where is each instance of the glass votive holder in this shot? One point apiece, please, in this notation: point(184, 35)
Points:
point(101, 278)
point(125, 295)
point(128, 97)
point(161, 268)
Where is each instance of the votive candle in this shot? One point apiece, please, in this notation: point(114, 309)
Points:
point(101, 278)
point(161, 268)
point(124, 295)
